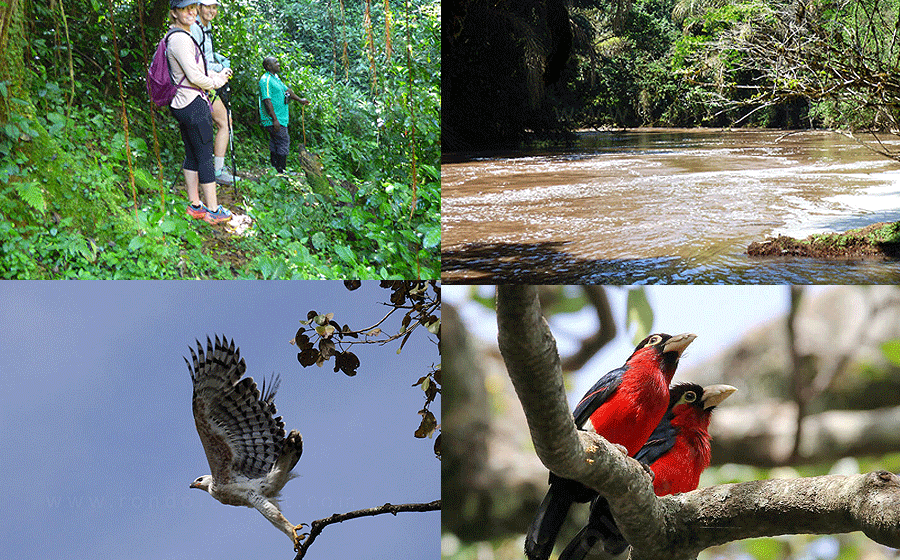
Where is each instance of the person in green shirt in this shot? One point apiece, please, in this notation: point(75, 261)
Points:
point(273, 111)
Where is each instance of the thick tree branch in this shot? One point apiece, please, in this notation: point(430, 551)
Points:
point(816, 505)
point(529, 350)
point(675, 527)
point(393, 509)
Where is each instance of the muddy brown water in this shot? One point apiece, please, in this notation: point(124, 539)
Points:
point(664, 207)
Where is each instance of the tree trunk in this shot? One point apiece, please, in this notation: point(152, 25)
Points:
point(12, 67)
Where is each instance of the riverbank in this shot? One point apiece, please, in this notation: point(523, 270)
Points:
point(881, 240)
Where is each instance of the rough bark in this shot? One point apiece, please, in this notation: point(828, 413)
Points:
point(492, 481)
point(762, 508)
point(681, 526)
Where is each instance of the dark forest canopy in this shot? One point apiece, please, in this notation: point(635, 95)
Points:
point(629, 63)
point(75, 203)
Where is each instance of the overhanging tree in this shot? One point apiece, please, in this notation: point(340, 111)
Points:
point(842, 55)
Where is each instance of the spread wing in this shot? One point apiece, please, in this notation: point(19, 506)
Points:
point(597, 395)
point(237, 426)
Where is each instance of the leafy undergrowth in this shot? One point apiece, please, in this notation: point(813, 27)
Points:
point(293, 234)
point(69, 208)
point(67, 211)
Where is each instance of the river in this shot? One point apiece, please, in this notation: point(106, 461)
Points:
point(664, 206)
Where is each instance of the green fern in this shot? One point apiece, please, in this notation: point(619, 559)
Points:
point(32, 194)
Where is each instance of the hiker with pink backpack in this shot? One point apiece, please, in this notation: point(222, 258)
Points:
point(178, 77)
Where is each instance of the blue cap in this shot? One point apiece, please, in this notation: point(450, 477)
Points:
point(181, 3)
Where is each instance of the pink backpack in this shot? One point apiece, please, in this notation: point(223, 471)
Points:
point(160, 84)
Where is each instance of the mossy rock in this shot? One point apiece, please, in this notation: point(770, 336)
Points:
point(880, 240)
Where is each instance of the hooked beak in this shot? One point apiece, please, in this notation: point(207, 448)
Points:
point(678, 343)
point(715, 394)
point(194, 485)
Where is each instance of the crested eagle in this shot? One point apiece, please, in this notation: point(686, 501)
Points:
point(245, 444)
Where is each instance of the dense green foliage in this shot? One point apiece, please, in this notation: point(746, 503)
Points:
point(767, 63)
point(67, 209)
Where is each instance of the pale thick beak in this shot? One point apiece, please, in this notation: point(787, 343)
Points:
point(715, 394)
point(678, 343)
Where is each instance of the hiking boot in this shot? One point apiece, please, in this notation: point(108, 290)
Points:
point(224, 177)
point(197, 212)
point(219, 216)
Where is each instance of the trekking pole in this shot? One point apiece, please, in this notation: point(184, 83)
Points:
point(231, 140)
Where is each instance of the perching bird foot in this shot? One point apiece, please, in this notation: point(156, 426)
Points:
point(649, 471)
point(299, 538)
point(621, 448)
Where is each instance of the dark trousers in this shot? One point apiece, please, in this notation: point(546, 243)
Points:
point(279, 146)
point(195, 123)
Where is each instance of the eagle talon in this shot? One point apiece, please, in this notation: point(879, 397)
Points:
point(299, 538)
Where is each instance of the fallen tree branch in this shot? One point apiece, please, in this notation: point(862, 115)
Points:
point(317, 526)
point(675, 527)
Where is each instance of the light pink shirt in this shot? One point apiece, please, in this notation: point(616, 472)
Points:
point(186, 60)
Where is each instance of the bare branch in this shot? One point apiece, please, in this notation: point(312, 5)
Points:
point(590, 346)
point(393, 509)
point(801, 394)
point(815, 505)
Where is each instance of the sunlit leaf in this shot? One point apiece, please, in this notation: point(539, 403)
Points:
point(891, 351)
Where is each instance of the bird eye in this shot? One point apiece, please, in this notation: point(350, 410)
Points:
point(690, 396)
point(654, 340)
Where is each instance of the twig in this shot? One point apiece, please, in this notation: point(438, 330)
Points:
point(320, 524)
point(798, 385)
point(606, 332)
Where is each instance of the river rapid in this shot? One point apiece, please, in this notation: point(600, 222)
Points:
point(664, 206)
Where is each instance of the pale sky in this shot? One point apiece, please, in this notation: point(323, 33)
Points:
point(99, 445)
point(718, 315)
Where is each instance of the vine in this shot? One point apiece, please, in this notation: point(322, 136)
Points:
point(112, 25)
